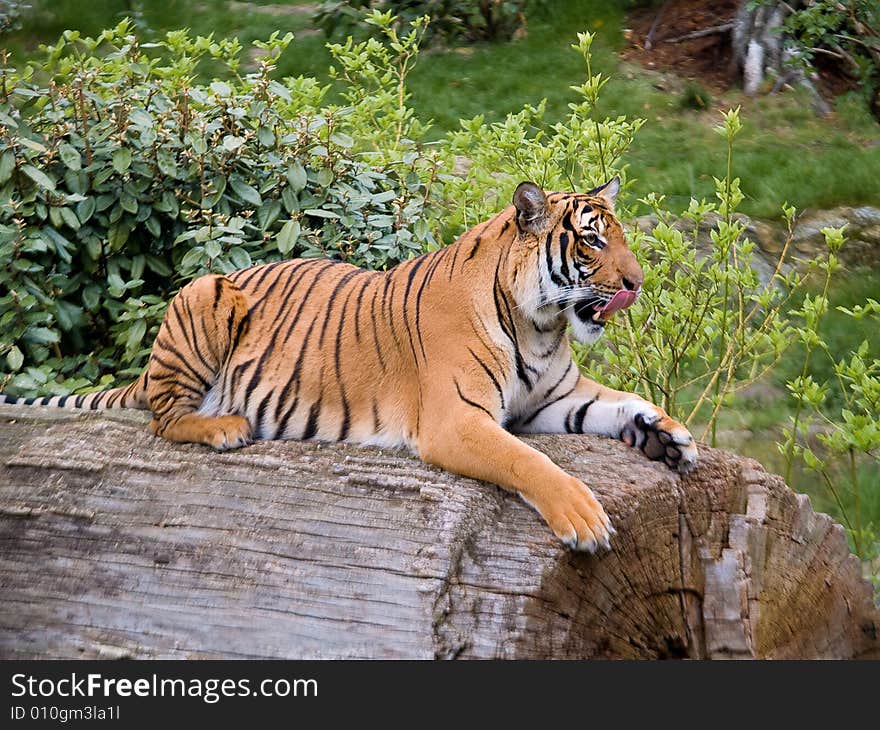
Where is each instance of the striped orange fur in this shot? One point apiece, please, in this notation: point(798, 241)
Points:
point(449, 354)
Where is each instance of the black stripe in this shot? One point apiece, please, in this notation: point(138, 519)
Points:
point(490, 374)
point(414, 269)
point(510, 331)
point(293, 380)
point(377, 421)
point(267, 269)
point(261, 414)
point(555, 400)
point(429, 273)
point(357, 309)
point(470, 402)
point(277, 281)
point(337, 363)
point(312, 423)
point(578, 416)
point(551, 269)
point(312, 288)
point(236, 373)
point(190, 341)
point(218, 291)
point(563, 257)
point(474, 249)
point(173, 350)
point(456, 248)
point(375, 325)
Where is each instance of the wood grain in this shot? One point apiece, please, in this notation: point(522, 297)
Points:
point(116, 544)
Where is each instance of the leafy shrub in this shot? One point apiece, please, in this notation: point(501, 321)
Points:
point(470, 20)
point(846, 34)
point(834, 430)
point(10, 14)
point(120, 180)
point(578, 152)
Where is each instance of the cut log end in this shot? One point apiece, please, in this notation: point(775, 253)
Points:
point(118, 544)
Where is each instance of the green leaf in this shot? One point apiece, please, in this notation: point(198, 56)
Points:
point(232, 143)
point(41, 335)
point(288, 236)
point(84, 209)
point(153, 226)
point(221, 88)
point(69, 156)
point(140, 118)
point(240, 257)
point(40, 178)
point(14, 359)
point(343, 140)
point(7, 165)
point(268, 213)
point(384, 197)
point(291, 202)
point(296, 176)
point(135, 334)
point(244, 191)
point(324, 177)
point(69, 217)
point(32, 144)
point(138, 263)
point(67, 315)
point(318, 213)
point(158, 265)
point(121, 159)
point(213, 249)
point(167, 163)
point(129, 203)
point(91, 297)
point(266, 137)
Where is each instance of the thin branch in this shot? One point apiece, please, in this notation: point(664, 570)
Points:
point(714, 30)
point(649, 39)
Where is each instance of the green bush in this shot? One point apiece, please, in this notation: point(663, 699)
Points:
point(470, 20)
point(844, 34)
point(120, 180)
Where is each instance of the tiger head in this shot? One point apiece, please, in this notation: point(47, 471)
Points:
point(586, 271)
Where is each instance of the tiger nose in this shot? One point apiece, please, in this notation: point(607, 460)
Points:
point(633, 281)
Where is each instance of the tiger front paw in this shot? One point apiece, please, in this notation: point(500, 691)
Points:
point(662, 438)
point(578, 519)
point(229, 432)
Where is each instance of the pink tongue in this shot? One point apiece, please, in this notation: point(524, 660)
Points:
point(619, 301)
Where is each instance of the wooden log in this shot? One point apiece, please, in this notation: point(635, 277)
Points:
point(116, 544)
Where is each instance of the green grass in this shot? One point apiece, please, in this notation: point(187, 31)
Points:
point(785, 153)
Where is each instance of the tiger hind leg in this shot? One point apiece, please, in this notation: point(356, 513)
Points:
point(201, 328)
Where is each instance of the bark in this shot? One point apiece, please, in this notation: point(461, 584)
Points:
point(761, 51)
point(117, 544)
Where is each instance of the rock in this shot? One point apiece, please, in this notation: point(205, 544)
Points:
point(862, 231)
point(768, 240)
point(119, 544)
point(862, 248)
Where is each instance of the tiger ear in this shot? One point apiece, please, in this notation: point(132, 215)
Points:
point(608, 192)
point(531, 207)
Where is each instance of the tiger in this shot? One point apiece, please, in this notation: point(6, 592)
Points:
point(451, 354)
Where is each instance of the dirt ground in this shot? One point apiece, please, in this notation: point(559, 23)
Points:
point(653, 35)
point(707, 58)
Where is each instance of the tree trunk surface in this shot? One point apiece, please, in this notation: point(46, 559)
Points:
point(116, 544)
point(762, 50)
